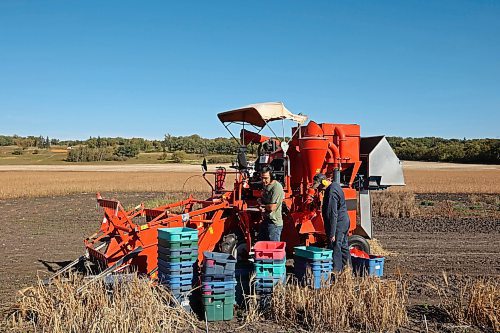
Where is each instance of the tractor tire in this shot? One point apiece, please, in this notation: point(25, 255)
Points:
point(359, 242)
point(235, 245)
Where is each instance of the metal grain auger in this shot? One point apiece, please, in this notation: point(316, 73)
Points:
point(228, 221)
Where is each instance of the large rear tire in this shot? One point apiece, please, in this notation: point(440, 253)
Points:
point(235, 245)
point(360, 243)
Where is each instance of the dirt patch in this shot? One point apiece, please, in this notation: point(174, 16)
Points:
point(39, 235)
point(437, 224)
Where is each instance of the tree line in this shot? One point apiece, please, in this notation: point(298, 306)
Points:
point(434, 149)
point(105, 148)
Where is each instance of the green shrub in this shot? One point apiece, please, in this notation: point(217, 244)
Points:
point(179, 156)
point(220, 159)
point(17, 152)
point(86, 154)
point(127, 150)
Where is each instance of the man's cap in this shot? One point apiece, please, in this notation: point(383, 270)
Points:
point(318, 179)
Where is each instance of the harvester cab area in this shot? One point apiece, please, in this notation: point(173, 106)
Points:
point(270, 151)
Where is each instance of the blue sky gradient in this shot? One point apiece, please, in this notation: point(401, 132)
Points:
point(75, 69)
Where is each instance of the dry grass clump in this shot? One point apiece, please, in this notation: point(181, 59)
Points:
point(477, 302)
point(132, 306)
point(251, 304)
point(394, 204)
point(377, 249)
point(368, 304)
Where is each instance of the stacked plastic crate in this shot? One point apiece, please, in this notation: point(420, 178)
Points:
point(177, 255)
point(316, 260)
point(270, 266)
point(218, 286)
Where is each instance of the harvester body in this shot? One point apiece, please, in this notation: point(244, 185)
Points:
point(230, 218)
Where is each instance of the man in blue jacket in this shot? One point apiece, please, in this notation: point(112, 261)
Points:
point(336, 220)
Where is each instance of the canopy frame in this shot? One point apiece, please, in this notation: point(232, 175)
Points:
point(273, 111)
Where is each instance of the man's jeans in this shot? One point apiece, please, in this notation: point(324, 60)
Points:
point(270, 232)
point(341, 253)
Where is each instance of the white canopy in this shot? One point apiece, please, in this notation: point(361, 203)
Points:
point(261, 113)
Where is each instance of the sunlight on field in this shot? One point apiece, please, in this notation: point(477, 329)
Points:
point(44, 183)
point(33, 184)
point(452, 181)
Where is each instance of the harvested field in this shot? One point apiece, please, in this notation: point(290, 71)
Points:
point(438, 223)
point(451, 181)
point(49, 233)
point(37, 184)
point(46, 180)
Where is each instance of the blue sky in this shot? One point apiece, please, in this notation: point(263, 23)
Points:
point(74, 69)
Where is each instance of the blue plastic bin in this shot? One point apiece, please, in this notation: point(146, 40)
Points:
point(175, 266)
point(269, 281)
point(373, 266)
point(301, 264)
point(177, 291)
point(218, 263)
point(217, 277)
point(216, 285)
point(176, 279)
point(178, 252)
point(316, 280)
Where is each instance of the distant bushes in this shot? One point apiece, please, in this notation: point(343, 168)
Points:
point(447, 150)
point(127, 150)
point(179, 156)
point(413, 149)
point(87, 154)
point(220, 159)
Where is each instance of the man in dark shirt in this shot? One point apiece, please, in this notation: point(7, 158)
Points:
point(336, 220)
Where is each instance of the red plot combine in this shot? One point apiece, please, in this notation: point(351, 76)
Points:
point(228, 221)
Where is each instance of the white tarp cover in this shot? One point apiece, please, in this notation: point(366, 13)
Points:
point(259, 114)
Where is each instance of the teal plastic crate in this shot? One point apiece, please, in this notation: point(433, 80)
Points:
point(269, 270)
point(176, 245)
point(177, 234)
point(219, 310)
point(176, 260)
point(312, 252)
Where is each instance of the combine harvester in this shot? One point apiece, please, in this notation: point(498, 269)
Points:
point(228, 221)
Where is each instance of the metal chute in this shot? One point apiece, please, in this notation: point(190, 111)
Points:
point(383, 167)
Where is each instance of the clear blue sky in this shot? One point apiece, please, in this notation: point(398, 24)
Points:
point(74, 69)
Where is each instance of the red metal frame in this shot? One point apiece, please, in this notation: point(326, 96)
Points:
point(314, 148)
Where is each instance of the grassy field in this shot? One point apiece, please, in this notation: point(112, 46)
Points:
point(57, 156)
